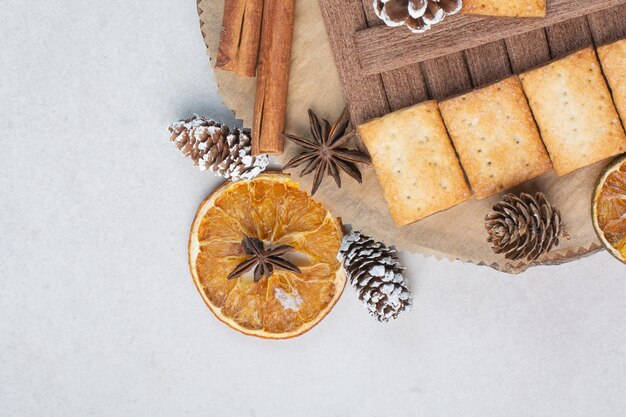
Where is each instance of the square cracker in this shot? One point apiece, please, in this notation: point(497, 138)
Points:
point(573, 108)
point(613, 61)
point(415, 162)
point(496, 138)
point(512, 8)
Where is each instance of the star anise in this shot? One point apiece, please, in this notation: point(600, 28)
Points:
point(264, 259)
point(324, 153)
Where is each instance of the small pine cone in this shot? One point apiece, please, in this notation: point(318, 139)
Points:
point(215, 147)
point(374, 271)
point(417, 15)
point(524, 227)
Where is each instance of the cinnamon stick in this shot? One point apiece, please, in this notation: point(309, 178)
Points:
point(240, 37)
point(273, 76)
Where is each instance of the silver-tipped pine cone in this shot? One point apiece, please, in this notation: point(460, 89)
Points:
point(374, 271)
point(215, 147)
point(524, 226)
point(417, 15)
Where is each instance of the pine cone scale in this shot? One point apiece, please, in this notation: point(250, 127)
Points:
point(417, 15)
point(217, 148)
point(374, 271)
point(523, 227)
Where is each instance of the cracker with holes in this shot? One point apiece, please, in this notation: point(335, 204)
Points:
point(512, 8)
point(496, 138)
point(415, 162)
point(613, 61)
point(574, 111)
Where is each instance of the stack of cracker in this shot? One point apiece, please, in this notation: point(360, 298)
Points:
point(613, 59)
point(561, 115)
point(415, 162)
point(574, 111)
point(495, 136)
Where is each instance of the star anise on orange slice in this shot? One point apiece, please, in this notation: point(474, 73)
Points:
point(325, 153)
point(264, 260)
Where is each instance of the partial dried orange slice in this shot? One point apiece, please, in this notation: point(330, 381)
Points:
point(273, 209)
point(609, 208)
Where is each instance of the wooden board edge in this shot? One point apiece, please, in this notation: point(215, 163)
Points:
point(381, 48)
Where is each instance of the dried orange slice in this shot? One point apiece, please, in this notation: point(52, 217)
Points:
point(273, 209)
point(609, 208)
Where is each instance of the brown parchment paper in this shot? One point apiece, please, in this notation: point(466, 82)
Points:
point(456, 234)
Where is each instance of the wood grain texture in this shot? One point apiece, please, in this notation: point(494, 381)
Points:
point(528, 50)
point(404, 86)
point(382, 49)
point(365, 94)
point(447, 76)
point(488, 63)
point(608, 25)
point(569, 36)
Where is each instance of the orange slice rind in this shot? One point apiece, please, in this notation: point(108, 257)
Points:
point(609, 208)
point(272, 208)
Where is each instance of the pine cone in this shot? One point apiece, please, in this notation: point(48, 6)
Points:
point(524, 226)
point(215, 147)
point(417, 15)
point(373, 269)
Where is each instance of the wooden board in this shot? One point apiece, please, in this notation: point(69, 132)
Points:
point(380, 48)
point(457, 233)
point(375, 62)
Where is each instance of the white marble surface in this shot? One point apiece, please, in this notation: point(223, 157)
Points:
point(98, 314)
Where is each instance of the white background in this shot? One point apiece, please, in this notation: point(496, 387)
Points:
point(98, 314)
